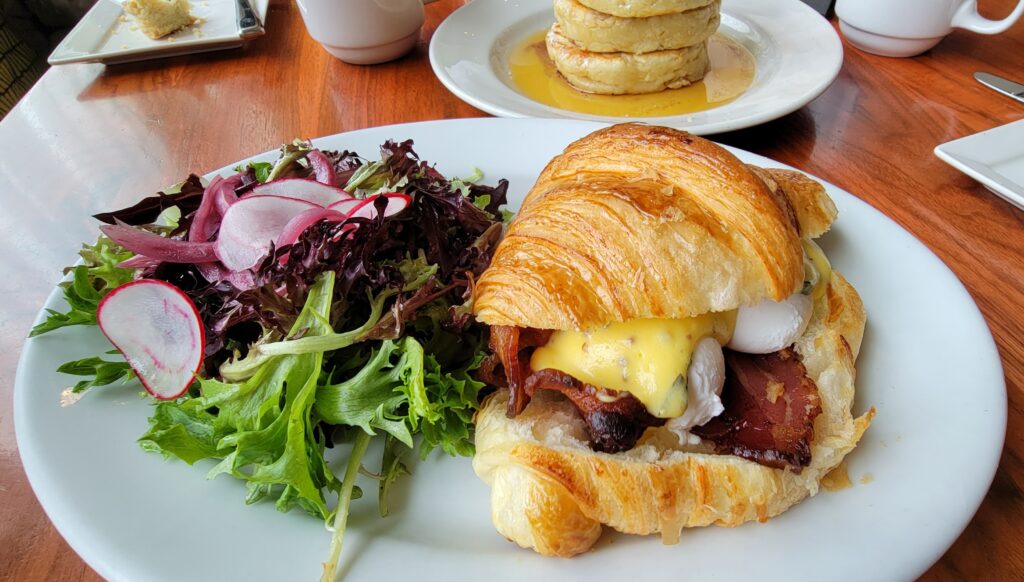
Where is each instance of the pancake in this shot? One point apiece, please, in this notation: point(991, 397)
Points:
point(598, 32)
point(624, 73)
point(643, 8)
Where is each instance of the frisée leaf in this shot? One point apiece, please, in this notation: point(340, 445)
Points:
point(98, 274)
point(102, 372)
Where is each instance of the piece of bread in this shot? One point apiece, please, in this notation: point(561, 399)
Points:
point(158, 18)
point(812, 206)
point(625, 73)
point(638, 221)
point(644, 8)
point(552, 493)
point(598, 32)
point(635, 221)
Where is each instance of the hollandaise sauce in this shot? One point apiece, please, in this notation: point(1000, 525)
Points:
point(648, 358)
point(730, 73)
point(818, 266)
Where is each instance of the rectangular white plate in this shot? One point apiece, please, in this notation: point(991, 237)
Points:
point(106, 34)
point(994, 157)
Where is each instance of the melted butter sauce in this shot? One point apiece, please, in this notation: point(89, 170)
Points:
point(730, 73)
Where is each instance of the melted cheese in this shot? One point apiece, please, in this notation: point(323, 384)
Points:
point(646, 357)
point(819, 263)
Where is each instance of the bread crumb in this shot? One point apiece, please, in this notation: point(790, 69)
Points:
point(68, 397)
point(775, 390)
point(867, 478)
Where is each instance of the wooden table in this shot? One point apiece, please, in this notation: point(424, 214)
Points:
point(99, 137)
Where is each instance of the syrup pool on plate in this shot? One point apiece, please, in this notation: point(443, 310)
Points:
point(730, 73)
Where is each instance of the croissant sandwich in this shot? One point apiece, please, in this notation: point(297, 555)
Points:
point(673, 348)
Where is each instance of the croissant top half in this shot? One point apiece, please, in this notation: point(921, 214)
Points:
point(637, 221)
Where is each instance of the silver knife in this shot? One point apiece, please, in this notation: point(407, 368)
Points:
point(249, 24)
point(1005, 86)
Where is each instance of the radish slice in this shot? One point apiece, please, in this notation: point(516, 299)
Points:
point(301, 189)
point(218, 196)
point(322, 168)
point(396, 203)
point(158, 247)
point(225, 195)
point(158, 330)
point(215, 273)
point(346, 206)
point(301, 222)
point(251, 225)
point(364, 209)
point(212, 272)
point(202, 228)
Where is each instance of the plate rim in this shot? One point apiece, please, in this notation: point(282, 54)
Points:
point(105, 567)
point(827, 75)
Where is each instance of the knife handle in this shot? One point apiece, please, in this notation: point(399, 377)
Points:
point(248, 23)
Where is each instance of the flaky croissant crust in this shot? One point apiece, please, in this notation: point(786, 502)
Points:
point(637, 221)
point(550, 492)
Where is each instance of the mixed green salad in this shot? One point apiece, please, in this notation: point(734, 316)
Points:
point(290, 307)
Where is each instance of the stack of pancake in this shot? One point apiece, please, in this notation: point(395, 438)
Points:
point(618, 47)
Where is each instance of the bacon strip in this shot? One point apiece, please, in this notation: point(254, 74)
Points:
point(770, 407)
point(514, 346)
point(615, 423)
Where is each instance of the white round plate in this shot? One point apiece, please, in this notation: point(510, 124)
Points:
point(929, 456)
point(798, 55)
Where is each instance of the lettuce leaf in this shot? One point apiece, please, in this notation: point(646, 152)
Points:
point(372, 399)
point(402, 390)
point(186, 196)
point(391, 468)
point(98, 275)
point(102, 372)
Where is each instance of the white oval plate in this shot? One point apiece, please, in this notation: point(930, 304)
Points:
point(931, 452)
point(798, 55)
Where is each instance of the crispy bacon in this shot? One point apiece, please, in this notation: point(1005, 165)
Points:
point(770, 407)
point(614, 422)
point(490, 372)
point(514, 346)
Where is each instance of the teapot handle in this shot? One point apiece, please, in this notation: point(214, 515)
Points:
point(967, 17)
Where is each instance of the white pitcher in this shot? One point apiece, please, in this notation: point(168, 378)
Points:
point(904, 28)
point(364, 32)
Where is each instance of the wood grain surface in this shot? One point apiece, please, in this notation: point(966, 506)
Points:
point(101, 136)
